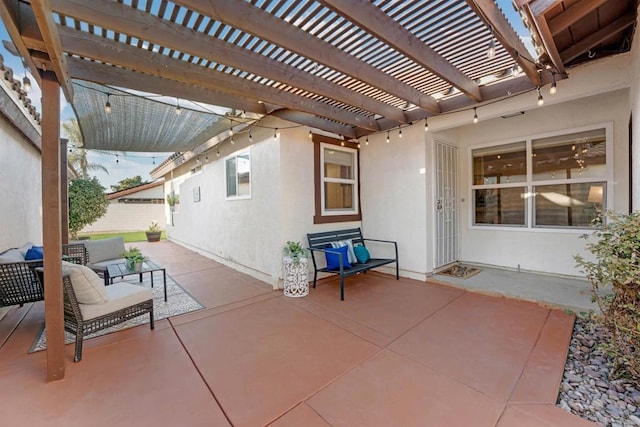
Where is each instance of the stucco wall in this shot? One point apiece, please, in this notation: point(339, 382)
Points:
point(393, 181)
point(244, 233)
point(21, 192)
point(543, 250)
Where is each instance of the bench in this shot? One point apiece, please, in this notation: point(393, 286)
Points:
point(320, 242)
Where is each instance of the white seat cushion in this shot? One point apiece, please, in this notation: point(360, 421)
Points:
point(104, 249)
point(87, 285)
point(12, 255)
point(121, 295)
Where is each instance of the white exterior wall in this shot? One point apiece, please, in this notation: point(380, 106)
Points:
point(21, 192)
point(393, 182)
point(542, 250)
point(243, 233)
point(131, 216)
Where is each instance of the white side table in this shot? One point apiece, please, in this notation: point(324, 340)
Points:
point(296, 283)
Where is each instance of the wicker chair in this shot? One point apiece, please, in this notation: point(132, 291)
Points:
point(100, 316)
point(19, 283)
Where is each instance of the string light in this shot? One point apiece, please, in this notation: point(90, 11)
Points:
point(275, 134)
point(475, 115)
point(117, 159)
point(107, 106)
point(366, 142)
point(26, 83)
point(399, 132)
point(244, 114)
point(231, 130)
point(218, 153)
point(554, 85)
point(154, 160)
point(540, 98)
point(250, 137)
point(178, 109)
point(387, 137)
point(491, 51)
point(232, 141)
point(426, 125)
point(310, 134)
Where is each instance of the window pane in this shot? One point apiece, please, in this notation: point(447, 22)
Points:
point(500, 206)
point(231, 177)
point(338, 164)
point(500, 164)
point(338, 196)
point(244, 174)
point(569, 156)
point(568, 205)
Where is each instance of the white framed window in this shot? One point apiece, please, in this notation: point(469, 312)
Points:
point(551, 181)
point(338, 180)
point(238, 175)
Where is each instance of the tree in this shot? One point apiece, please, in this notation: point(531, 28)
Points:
point(87, 203)
point(77, 164)
point(127, 183)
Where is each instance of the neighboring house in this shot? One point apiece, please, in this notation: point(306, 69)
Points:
point(133, 209)
point(515, 190)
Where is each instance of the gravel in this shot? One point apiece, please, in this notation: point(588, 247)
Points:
point(586, 389)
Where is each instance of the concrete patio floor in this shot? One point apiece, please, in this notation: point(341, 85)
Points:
point(394, 353)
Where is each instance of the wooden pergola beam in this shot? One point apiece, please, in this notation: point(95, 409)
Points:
point(313, 121)
point(130, 57)
point(489, 12)
point(375, 21)
point(144, 26)
point(48, 29)
point(246, 17)
point(13, 19)
point(548, 42)
point(598, 37)
point(573, 14)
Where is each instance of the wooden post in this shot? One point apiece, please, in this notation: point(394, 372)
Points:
point(51, 226)
point(64, 196)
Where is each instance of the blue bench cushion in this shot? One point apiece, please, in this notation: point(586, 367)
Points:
point(333, 259)
point(362, 253)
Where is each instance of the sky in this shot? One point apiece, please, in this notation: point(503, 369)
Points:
point(126, 165)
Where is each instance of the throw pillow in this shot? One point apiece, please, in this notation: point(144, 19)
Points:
point(362, 253)
point(24, 248)
point(104, 249)
point(34, 253)
point(349, 244)
point(333, 259)
point(87, 285)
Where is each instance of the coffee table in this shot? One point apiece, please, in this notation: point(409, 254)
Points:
point(122, 269)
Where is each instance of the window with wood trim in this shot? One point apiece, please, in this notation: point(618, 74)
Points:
point(336, 178)
point(238, 175)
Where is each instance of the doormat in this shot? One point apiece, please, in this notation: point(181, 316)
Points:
point(461, 271)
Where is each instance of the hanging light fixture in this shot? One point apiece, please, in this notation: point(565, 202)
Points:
point(399, 132)
point(491, 51)
point(387, 137)
point(426, 125)
point(554, 85)
point(107, 106)
point(275, 134)
point(540, 98)
point(250, 137)
point(178, 109)
point(310, 134)
point(475, 115)
point(26, 83)
point(366, 142)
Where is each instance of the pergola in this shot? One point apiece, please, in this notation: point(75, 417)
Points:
point(349, 67)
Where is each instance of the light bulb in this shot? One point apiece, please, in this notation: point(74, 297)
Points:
point(107, 106)
point(426, 125)
point(26, 83)
point(475, 115)
point(387, 137)
point(540, 98)
point(399, 132)
point(178, 110)
point(554, 87)
point(491, 51)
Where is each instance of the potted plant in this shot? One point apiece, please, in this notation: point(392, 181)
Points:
point(153, 232)
point(134, 258)
point(294, 264)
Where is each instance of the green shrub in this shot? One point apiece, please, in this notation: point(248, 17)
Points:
point(616, 265)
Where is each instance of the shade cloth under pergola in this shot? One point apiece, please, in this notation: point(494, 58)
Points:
point(140, 124)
